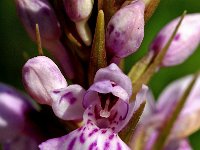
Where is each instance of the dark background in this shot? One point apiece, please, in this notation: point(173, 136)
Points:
point(14, 42)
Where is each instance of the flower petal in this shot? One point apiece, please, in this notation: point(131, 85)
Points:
point(149, 108)
point(67, 102)
point(114, 74)
point(104, 87)
point(88, 137)
point(140, 98)
point(40, 76)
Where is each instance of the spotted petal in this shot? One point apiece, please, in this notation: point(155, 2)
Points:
point(67, 102)
point(113, 122)
point(88, 137)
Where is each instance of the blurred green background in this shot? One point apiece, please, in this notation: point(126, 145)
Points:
point(14, 42)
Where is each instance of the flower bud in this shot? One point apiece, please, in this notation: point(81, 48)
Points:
point(41, 76)
point(184, 43)
point(79, 12)
point(12, 113)
point(125, 30)
point(38, 12)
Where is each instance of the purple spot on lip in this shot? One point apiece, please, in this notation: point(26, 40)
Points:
point(93, 145)
point(69, 97)
point(82, 139)
point(103, 131)
point(93, 131)
point(111, 136)
point(71, 144)
point(80, 128)
point(106, 146)
point(89, 121)
point(118, 146)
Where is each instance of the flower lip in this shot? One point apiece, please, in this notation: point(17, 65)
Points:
point(92, 114)
point(106, 98)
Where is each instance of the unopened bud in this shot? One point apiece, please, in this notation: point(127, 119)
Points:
point(125, 30)
point(41, 76)
point(184, 43)
point(32, 12)
point(79, 12)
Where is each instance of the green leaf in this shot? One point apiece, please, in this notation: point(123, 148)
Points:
point(98, 53)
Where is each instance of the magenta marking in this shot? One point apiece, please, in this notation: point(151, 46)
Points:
point(71, 144)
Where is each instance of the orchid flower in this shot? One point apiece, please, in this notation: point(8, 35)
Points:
point(185, 124)
point(50, 88)
point(107, 111)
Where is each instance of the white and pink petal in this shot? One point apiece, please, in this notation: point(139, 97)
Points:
point(133, 107)
point(67, 102)
point(88, 137)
